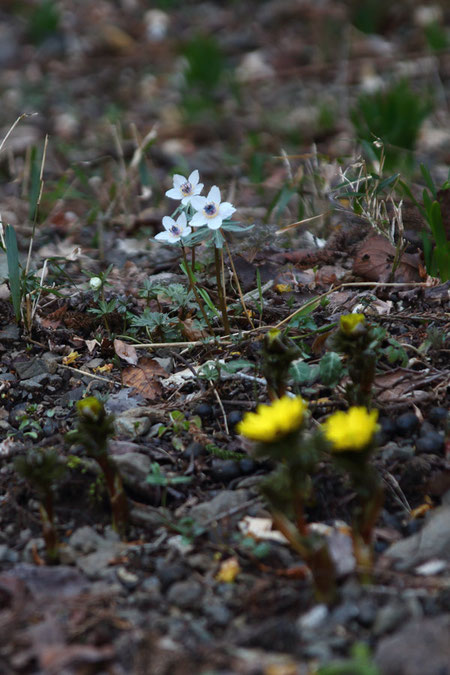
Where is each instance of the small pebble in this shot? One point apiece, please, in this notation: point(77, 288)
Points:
point(225, 470)
point(433, 443)
point(234, 417)
point(247, 465)
point(126, 578)
point(406, 424)
point(203, 410)
point(388, 427)
point(168, 573)
point(438, 415)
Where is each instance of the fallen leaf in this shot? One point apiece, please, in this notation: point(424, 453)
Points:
point(191, 331)
point(375, 257)
point(261, 529)
point(70, 358)
point(126, 351)
point(229, 569)
point(144, 378)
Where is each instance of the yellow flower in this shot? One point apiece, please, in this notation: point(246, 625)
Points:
point(90, 408)
point(351, 430)
point(271, 422)
point(350, 323)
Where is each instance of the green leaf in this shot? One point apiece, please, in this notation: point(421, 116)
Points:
point(437, 226)
point(235, 227)
point(302, 373)
point(428, 179)
point(330, 368)
point(237, 364)
point(12, 256)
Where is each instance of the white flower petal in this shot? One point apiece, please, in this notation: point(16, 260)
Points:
point(178, 180)
point(168, 222)
point(174, 193)
point(214, 195)
point(165, 236)
point(194, 177)
point(214, 223)
point(198, 219)
point(198, 188)
point(187, 231)
point(198, 202)
point(181, 220)
point(226, 210)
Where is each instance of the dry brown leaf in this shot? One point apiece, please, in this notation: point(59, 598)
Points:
point(191, 331)
point(144, 378)
point(126, 351)
point(375, 257)
point(396, 384)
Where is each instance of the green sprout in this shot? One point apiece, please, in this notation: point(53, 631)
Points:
point(42, 469)
point(93, 431)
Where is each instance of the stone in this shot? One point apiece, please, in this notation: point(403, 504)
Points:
point(85, 540)
point(389, 617)
point(131, 426)
point(134, 468)
point(185, 594)
point(433, 541)
point(223, 503)
point(7, 554)
point(406, 424)
point(225, 470)
point(431, 443)
point(421, 646)
point(31, 369)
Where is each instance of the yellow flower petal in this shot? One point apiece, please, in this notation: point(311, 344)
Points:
point(351, 430)
point(350, 322)
point(271, 422)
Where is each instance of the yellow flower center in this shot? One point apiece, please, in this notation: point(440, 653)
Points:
point(272, 422)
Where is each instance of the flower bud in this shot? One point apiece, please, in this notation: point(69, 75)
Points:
point(95, 283)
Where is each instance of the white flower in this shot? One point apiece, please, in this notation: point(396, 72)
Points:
point(185, 188)
point(174, 230)
point(210, 211)
point(95, 283)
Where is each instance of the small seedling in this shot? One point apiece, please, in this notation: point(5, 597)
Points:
point(160, 479)
point(93, 430)
point(42, 469)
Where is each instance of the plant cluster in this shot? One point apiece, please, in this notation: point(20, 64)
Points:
point(201, 219)
point(280, 432)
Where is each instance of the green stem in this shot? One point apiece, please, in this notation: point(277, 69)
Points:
point(221, 290)
point(194, 288)
point(119, 506)
point(48, 528)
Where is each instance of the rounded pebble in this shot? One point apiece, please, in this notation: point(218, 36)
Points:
point(388, 427)
point(203, 410)
point(407, 423)
point(225, 470)
point(438, 415)
point(433, 443)
point(234, 417)
point(247, 465)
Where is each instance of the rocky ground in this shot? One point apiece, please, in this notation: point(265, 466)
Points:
point(262, 110)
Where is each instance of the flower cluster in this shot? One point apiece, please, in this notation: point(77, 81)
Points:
point(209, 211)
